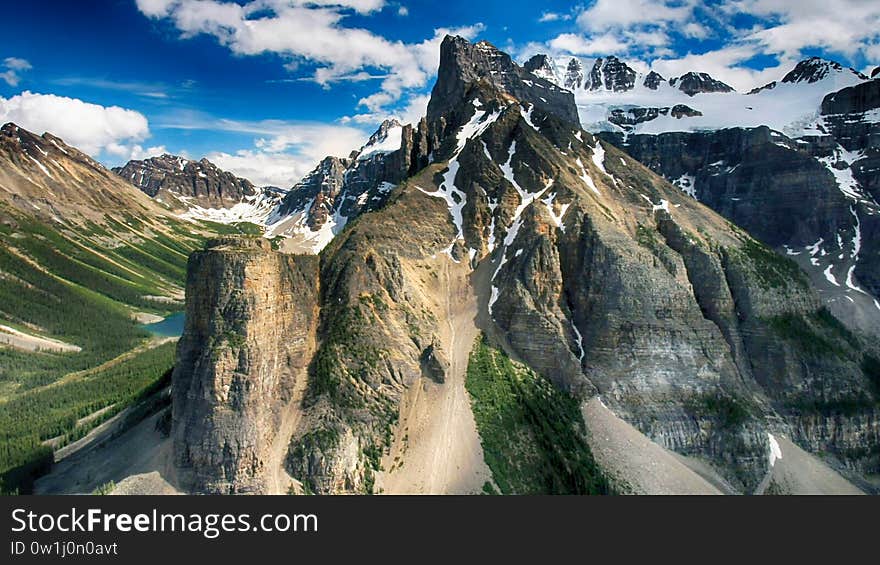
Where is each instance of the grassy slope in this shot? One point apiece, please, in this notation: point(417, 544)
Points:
point(533, 435)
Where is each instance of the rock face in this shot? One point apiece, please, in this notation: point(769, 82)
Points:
point(201, 181)
point(653, 80)
point(587, 266)
point(462, 64)
point(574, 75)
point(43, 176)
point(815, 69)
point(542, 67)
point(250, 323)
point(611, 74)
point(696, 83)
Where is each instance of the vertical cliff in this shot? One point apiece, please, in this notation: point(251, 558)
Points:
point(249, 334)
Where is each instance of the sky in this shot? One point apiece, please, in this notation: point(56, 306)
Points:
point(266, 88)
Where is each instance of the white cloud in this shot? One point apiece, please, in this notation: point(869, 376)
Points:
point(605, 14)
point(847, 27)
point(575, 44)
point(553, 17)
point(282, 152)
point(14, 67)
point(89, 127)
point(135, 151)
point(313, 31)
point(402, 11)
point(415, 108)
point(263, 169)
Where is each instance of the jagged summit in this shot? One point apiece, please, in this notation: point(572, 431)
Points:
point(574, 74)
point(611, 74)
point(694, 83)
point(653, 80)
point(464, 64)
point(542, 66)
point(384, 140)
point(200, 181)
point(815, 69)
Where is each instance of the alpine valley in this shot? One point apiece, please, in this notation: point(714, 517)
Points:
point(568, 277)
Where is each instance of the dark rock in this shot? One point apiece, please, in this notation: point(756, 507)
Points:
point(203, 181)
point(696, 83)
point(653, 80)
point(574, 74)
point(463, 64)
point(434, 363)
point(815, 69)
point(611, 74)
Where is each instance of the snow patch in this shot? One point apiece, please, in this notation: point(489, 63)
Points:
point(775, 450)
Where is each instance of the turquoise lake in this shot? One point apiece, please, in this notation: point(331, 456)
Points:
point(172, 326)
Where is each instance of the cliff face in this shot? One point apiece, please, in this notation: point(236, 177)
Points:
point(250, 324)
point(200, 181)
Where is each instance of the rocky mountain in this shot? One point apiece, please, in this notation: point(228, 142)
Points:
point(200, 182)
point(351, 372)
point(810, 193)
point(698, 83)
point(542, 66)
point(340, 188)
point(85, 259)
point(792, 162)
point(42, 175)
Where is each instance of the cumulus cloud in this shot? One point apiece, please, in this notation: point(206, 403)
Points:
point(282, 152)
point(13, 67)
point(314, 32)
point(575, 44)
point(136, 151)
point(626, 14)
point(553, 17)
point(89, 127)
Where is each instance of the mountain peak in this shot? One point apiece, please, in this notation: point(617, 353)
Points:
point(693, 83)
point(612, 74)
point(542, 66)
point(814, 69)
point(180, 176)
point(463, 65)
point(386, 139)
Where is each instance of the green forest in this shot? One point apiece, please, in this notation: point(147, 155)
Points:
point(533, 434)
point(81, 284)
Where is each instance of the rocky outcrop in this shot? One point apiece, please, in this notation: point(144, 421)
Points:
point(856, 99)
point(463, 64)
point(653, 80)
point(626, 118)
point(250, 323)
point(201, 181)
point(542, 67)
point(611, 74)
point(574, 75)
point(815, 69)
point(694, 83)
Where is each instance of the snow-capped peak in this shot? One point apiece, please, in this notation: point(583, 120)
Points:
point(386, 139)
point(542, 66)
point(815, 69)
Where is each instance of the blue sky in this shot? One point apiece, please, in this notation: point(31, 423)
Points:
point(267, 87)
